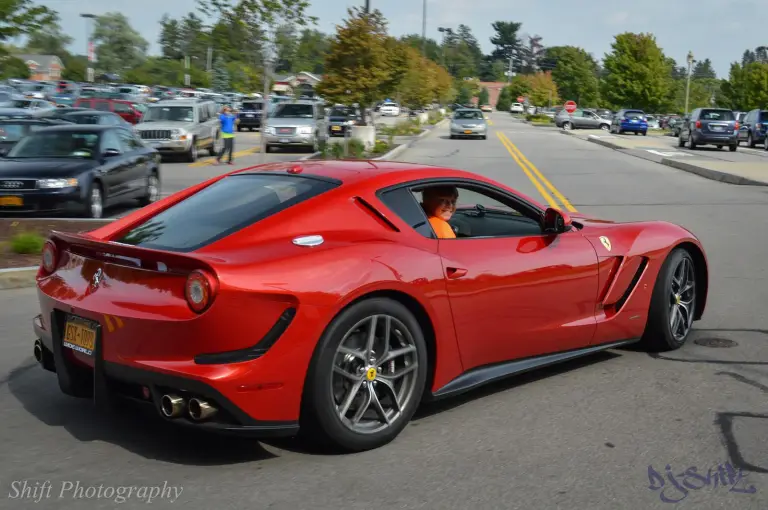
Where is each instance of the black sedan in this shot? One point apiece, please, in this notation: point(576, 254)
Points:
point(341, 118)
point(14, 129)
point(77, 169)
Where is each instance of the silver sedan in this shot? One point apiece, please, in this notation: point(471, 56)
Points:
point(469, 123)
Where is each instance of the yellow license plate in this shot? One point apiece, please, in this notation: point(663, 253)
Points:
point(12, 201)
point(79, 337)
point(468, 132)
point(335, 128)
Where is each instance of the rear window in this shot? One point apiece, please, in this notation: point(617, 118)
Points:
point(223, 208)
point(716, 115)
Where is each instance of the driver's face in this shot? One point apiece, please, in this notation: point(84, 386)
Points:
point(442, 206)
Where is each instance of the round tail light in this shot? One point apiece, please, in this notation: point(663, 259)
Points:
point(50, 257)
point(200, 291)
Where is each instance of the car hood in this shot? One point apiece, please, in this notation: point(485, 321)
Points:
point(163, 124)
point(41, 168)
point(292, 122)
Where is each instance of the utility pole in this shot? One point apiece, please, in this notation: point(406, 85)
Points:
point(424, 30)
point(688, 85)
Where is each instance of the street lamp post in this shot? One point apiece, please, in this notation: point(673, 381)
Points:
point(688, 84)
point(89, 46)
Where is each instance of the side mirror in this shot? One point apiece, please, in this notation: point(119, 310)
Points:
point(556, 221)
point(111, 153)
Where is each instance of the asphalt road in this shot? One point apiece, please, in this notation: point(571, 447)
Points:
point(579, 436)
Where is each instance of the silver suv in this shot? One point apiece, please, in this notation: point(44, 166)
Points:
point(296, 123)
point(181, 126)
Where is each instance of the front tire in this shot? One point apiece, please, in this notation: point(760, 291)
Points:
point(673, 303)
point(366, 377)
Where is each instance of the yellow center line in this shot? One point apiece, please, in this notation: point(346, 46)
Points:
point(539, 187)
point(541, 177)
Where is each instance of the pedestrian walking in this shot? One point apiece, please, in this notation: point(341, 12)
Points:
point(228, 121)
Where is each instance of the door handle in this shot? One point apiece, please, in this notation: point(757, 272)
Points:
point(456, 272)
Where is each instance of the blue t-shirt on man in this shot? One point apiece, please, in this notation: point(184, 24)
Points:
point(227, 124)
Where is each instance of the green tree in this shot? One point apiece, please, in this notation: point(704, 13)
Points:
point(507, 42)
point(358, 65)
point(19, 17)
point(220, 76)
point(49, 40)
point(575, 73)
point(505, 100)
point(638, 73)
point(118, 46)
point(484, 97)
point(12, 67)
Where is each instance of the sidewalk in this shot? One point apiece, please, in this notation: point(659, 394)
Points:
point(659, 150)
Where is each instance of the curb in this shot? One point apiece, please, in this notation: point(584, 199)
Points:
point(402, 148)
point(708, 173)
point(17, 277)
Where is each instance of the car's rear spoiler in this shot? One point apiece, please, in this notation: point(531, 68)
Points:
point(128, 255)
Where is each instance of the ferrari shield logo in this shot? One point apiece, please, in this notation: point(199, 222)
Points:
point(606, 242)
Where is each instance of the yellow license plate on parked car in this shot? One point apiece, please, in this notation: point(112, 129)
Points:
point(11, 201)
point(468, 132)
point(79, 337)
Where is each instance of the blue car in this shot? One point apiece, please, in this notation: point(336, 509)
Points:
point(629, 121)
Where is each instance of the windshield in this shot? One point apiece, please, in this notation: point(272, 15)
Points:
point(717, 115)
point(295, 111)
point(66, 144)
point(468, 115)
point(343, 112)
point(169, 113)
point(252, 107)
point(22, 103)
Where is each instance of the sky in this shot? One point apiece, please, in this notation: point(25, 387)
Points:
point(716, 29)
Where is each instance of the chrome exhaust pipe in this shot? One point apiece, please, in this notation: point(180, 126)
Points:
point(172, 406)
point(200, 409)
point(38, 351)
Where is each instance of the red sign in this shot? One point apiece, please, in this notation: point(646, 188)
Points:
point(520, 99)
point(570, 106)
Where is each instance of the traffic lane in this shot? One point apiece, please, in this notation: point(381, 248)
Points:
point(609, 184)
point(488, 157)
point(742, 154)
point(582, 434)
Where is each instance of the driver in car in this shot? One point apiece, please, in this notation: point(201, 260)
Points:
point(439, 204)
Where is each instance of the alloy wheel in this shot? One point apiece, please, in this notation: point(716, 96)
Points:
point(374, 374)
point(682, 299)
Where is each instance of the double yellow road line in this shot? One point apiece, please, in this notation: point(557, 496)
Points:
point(545, 188)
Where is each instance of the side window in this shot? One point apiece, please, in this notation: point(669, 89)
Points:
point(402, 203)
point(110, 140)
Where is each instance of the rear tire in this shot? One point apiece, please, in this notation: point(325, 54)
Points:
point(673, 304)
point(338, 378)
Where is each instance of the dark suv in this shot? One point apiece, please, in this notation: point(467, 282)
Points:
point(754, 128)
point(250, 115)
point(710, 126)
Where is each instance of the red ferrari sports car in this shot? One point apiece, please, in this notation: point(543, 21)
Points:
point(317, 295)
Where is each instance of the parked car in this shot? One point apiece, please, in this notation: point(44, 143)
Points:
point(322, 288)
point(342, 118)
point(581, 119)
point(182, 127)
point(754, 127)
point(469, 123)
point(77, 169)
point(298, 124)
point(129, 110)
point(14, 129)
point(249, 116)
point(629, 121)
point(710, 126)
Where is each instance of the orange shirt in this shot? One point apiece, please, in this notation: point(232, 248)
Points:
point(442, 228)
